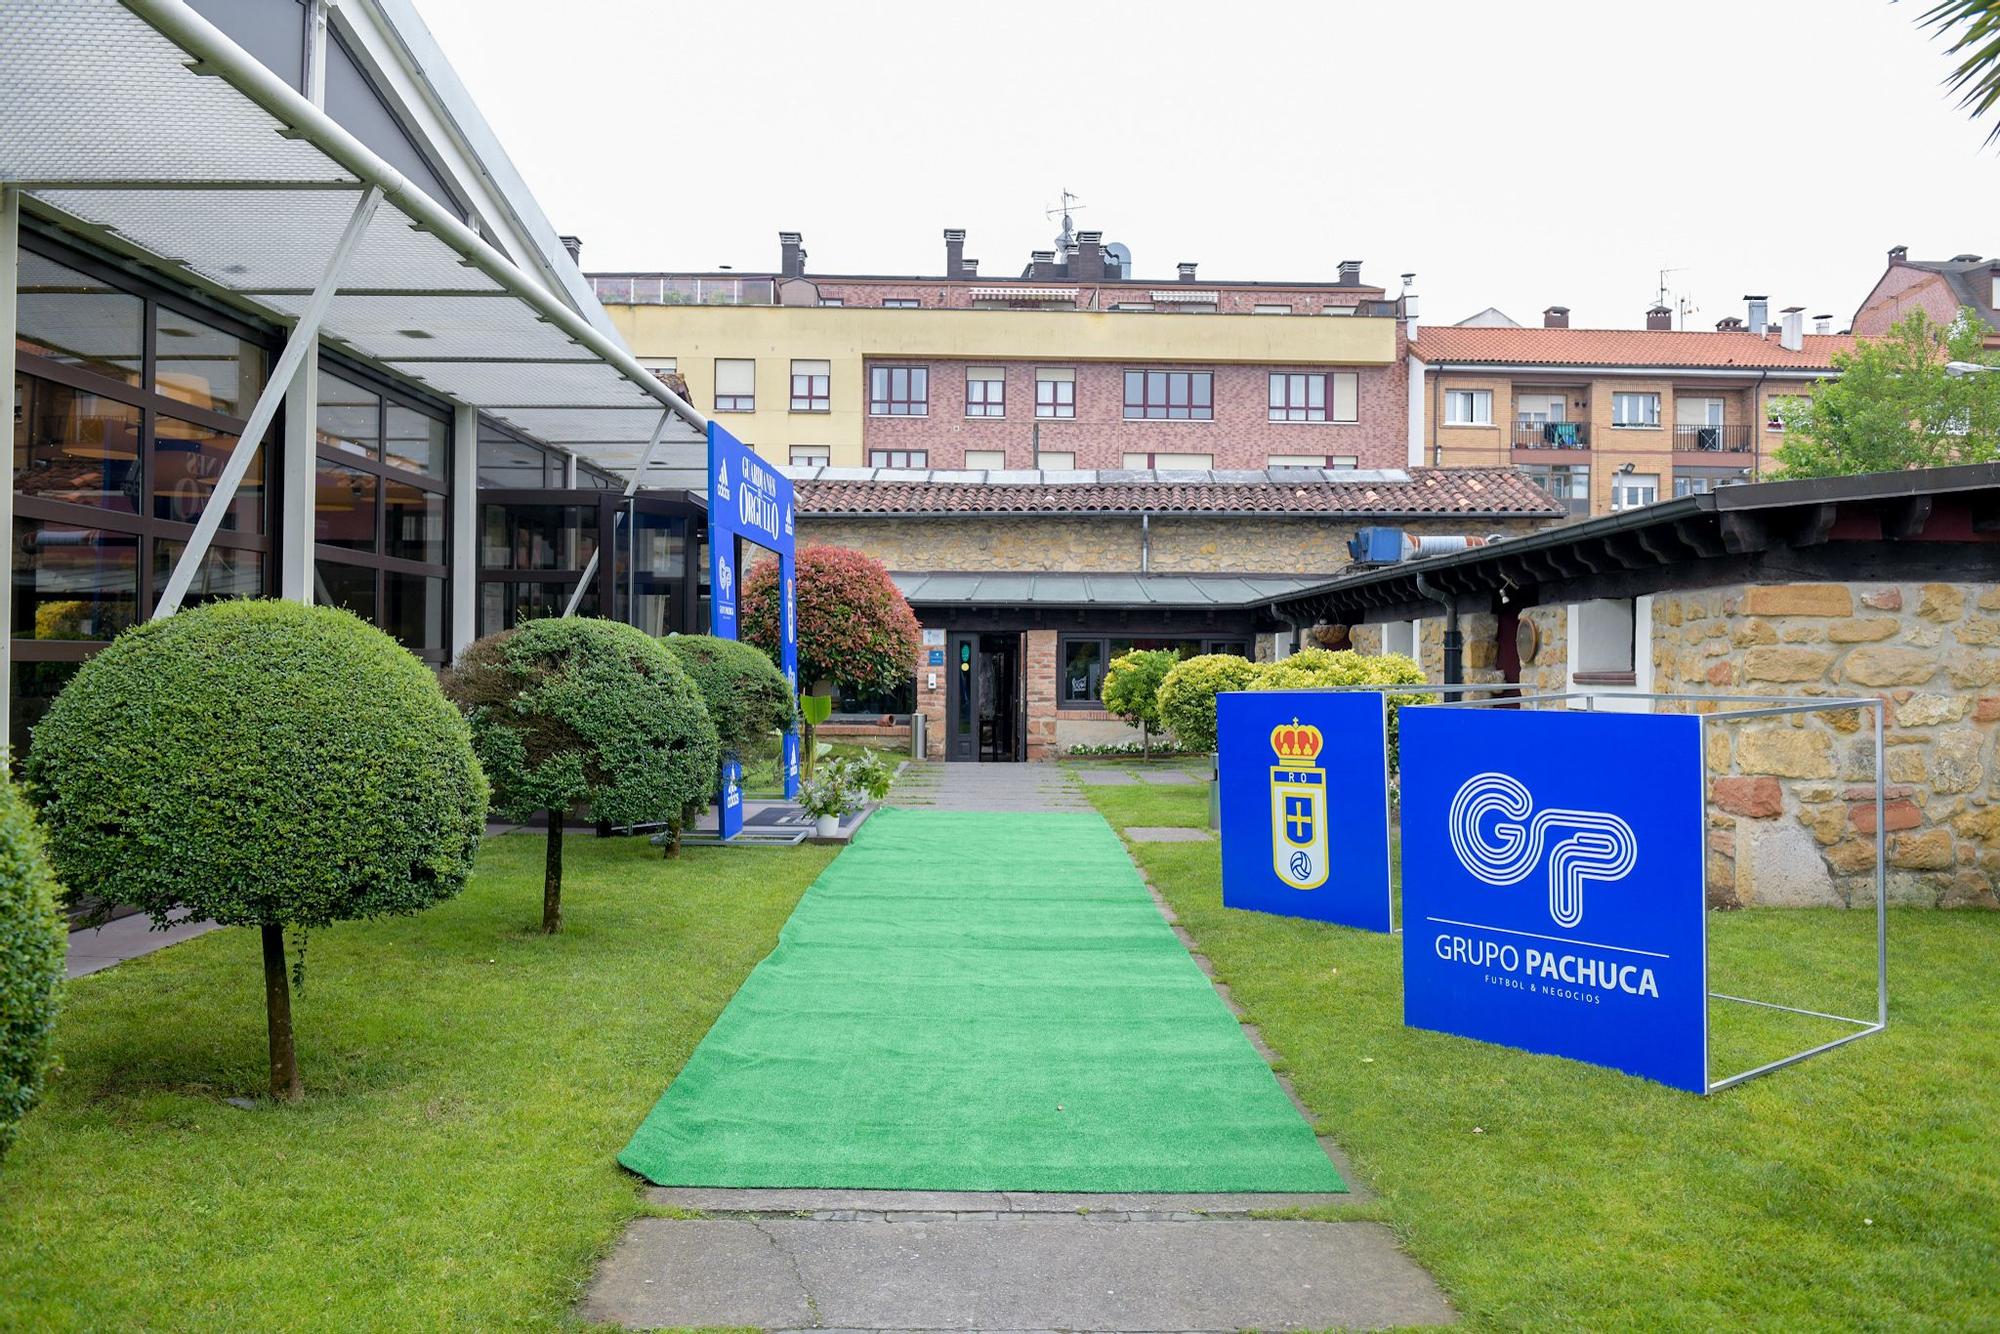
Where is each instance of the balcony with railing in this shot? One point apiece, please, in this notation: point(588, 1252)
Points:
point(1551, 435)
point(1737, 438)
point(654, 289)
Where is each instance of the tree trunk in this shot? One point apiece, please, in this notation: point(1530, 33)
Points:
point(285, 1084)
point(552, 877)
point(1146, 740)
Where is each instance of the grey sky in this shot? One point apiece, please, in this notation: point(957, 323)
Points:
point(1515, 155)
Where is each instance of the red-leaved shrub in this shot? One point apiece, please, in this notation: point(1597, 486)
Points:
point(855, 629)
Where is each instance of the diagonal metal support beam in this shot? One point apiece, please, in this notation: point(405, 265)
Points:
point(304, 337)
point(638, 473)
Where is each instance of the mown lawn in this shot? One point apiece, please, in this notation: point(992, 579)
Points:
point(468, 1083)
point(1860, 1189)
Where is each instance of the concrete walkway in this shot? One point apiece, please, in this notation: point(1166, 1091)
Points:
point(96, 948)
point(876, 1260)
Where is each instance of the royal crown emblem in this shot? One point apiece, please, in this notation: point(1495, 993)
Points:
point(1298, 806)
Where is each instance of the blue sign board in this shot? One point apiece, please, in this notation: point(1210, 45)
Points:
point(937, 657)
point(1303, 779)
point(751, 500)
point(729, 803)
point(1552, 885)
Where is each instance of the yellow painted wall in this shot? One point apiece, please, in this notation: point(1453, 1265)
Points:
point(696, 336)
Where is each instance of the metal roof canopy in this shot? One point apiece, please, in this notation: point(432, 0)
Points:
point(140, 125)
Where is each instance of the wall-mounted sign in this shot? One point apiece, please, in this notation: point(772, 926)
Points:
point(1552, 885)
point(933, 638)
point(937, 657)
point(749, 499)
point(1305, 805)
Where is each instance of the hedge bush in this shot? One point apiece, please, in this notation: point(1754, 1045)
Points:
point(1131, 688)
point(746, 695)
point(259, 763)
point(855, 628)
point(1314, 668)
point(33, 940)
point(1187, 696)
point(577, 710)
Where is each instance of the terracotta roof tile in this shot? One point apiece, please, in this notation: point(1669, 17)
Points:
point(1625, 347)
point(1488, 492)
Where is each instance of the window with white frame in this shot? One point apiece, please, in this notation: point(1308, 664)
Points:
point(1468, 407)
point(1197, 462)
point(1635, 410)
point(1272, 308)
point(831, 301)
point(1630, 490)
point(1400, 637)
point(811, 456)
point(1775, 408)
point(1314, 397)
point(1336, 310)
point(1169, 396)
point(992, 460)
point(1606, 642)
point(900, 303)
point(899, 458)
point(1310, 461)
point(661, 363)
point(899, 391)
point(810, 381)
point(1057, 460)
point(1055, 392)
point(735, 385)
point(985, 391)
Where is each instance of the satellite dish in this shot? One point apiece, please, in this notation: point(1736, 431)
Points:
point(1119, 251)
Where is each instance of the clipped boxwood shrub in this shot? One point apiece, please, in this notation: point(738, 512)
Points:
point(263, 764)
point(1312, 668)
point(577, 710)
point(1131, 689)
point(33, 941)
point(745, 693)
point(1187, 696)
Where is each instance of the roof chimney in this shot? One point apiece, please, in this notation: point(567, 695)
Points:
point(968, 268)
point(1350, 273)
point(1792, 336)
point(1658, 318)
point(573, 244)
point(1898, 253)
point(954, 252)
point(1556, 317)
point(1760, 314)
point(1187, 270)
point(1729, 324)
point(1042, 264)
point(1089, 263)
point(1822, 324)
point(1409, 303)
point(791, 254)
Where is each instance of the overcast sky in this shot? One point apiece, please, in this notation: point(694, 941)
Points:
point(1515, 155)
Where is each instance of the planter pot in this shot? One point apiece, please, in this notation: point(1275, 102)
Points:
point(827, 826)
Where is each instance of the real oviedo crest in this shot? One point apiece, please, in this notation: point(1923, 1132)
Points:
point(1298, 806)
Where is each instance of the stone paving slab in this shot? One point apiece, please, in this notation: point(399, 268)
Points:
point(1037, 1273)
point(99, 947)
point(1105, 778)
point(1166, 833)
point(784, 1200)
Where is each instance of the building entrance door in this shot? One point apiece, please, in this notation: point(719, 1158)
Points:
point(983, 718)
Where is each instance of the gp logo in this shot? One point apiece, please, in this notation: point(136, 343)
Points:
point(1498, 843)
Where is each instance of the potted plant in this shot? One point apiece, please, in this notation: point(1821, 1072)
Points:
point(826, 796)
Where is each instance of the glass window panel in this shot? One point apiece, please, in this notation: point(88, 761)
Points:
point(413, 611)
point(506, 604)
point(510, 463)
point(200, 364)
point(344, 507)
point(413, 522)
point(537, 537)
point(79, 321)
point(75, 447)
point(1083, 671)
point(72, 582)
point(187, 460)
point(349, 417)
point(351, 587)
point(225, 572)
point(36, 685)
point(416, 440)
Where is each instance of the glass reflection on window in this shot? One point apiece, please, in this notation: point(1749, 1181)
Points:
point(75, 447)
point(72, 318)
point(350, 417)
point(349, 587)
point(199, 364)
point(187, 462)
point(225, 572)
point(537, 537)
point(72, 582)
point(414, 519)
point(414, 611)
point(344, 507)
point(415, 441)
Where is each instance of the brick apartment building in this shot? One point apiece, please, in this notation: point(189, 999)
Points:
point(1938, 287)
point(1612, 419)
point(1073, 363)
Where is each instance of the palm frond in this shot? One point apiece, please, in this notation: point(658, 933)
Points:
point(1974, 29)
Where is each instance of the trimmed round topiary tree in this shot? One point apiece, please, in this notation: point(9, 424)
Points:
point(855, 627)
point(743, 690)
point(262, 764)
point(574, 711)
point(1187, 695)
point(1317, 668)
point(1131, 689)
point(33, 941)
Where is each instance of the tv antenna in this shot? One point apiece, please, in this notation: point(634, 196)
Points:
point(1067, 207)
point(1679, 302)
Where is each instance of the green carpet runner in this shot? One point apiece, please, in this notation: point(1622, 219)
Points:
point(979, 1002)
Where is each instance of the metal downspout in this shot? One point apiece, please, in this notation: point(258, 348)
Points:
point(1454, 642)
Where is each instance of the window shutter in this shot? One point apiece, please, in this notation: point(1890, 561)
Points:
point(735, 377)
point(1346, 396)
